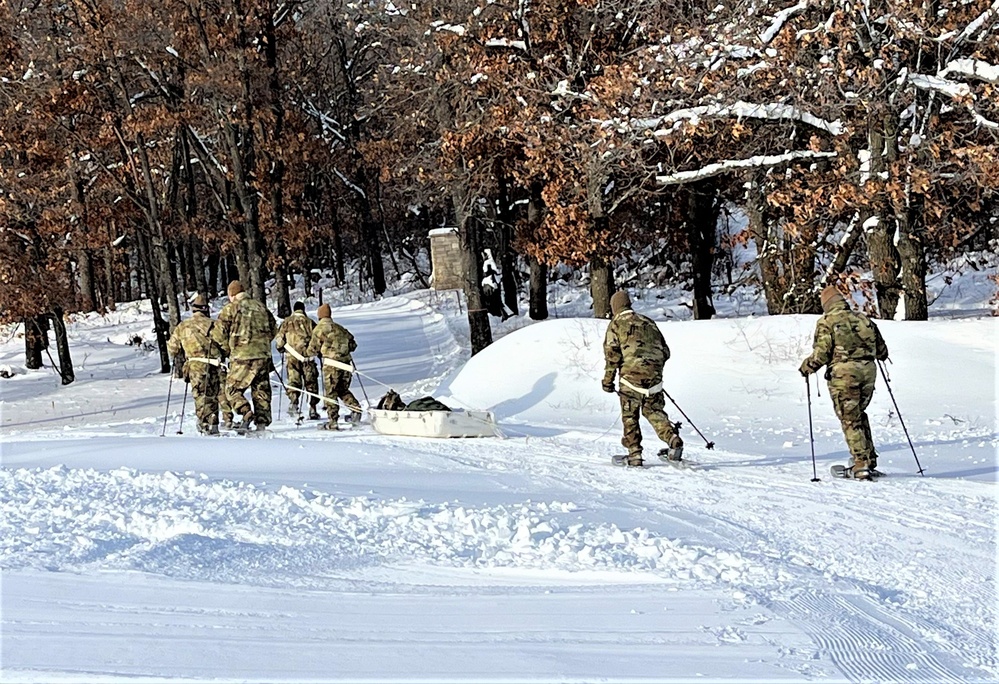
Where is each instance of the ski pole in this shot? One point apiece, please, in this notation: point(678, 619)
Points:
point(183, 407)
point(811, 433)
point(167, 412)
point(361, 383)
point(709, 445)
point(904, 429)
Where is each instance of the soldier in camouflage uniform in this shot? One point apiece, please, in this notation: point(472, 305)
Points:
point(333, 343)
point(292, 340)
point(204, 357)
point(848, 344)
point(245, 330)
point(635, 350)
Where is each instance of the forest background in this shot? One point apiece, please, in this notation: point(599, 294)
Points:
point(157, 148)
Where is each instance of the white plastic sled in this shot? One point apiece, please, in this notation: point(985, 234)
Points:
point(456, 423)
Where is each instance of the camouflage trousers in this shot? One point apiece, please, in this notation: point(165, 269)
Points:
point(337, 386)
point(252, 374)
point(205, 390)
point(224, 404)
point(851, 386)
point(653, 408)
point(302, 375)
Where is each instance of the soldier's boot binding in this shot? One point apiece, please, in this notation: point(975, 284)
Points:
point(329, 425)
point(634, 460)
point(293, 410)
point(859, 470)
point(674, 452)
point(313, 413)
point(355, 417)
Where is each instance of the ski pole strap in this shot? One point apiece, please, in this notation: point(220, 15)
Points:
point(293, 352)
point(337, 364)
point(210, 362)
point(655, 389)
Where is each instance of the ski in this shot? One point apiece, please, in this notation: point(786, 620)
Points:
point(622, 461)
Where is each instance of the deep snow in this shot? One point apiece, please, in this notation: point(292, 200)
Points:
point(342, 556)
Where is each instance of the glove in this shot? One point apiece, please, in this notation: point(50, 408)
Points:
point(608, 386)
point(805, 369)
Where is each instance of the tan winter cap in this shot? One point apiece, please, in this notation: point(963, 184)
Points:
point(235, 287)
point(829, 296)
point(619, 302)
point(325, 311)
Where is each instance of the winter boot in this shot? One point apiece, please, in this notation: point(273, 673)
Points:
point(245, 424)
point(227, 421)
point(675, 450)
point(634, 460)
point(329, 425)
point(293, 410)
point(355, 417)
point(313, 413)
point(860, 470)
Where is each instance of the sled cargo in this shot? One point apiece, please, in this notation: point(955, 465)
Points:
point(457, 423)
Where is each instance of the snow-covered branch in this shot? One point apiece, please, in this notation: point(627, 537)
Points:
point(775, 111)
point(353, 186)
point(958, 91)
point(780, 19)
point(991, 13)
point(757, 162)
point(972, 68)
point(507, 43)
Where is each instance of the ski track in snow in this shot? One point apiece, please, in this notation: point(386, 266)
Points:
point(947, 584)
point(892, 581)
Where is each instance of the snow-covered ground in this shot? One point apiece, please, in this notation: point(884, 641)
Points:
point(345, 556)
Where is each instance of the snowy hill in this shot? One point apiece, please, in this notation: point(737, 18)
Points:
point(353, 555)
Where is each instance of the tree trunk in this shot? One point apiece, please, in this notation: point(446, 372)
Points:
point(160, 326)
point(36, 340)
point(763, 229)
point(110, 284)
point(339, 270)
point(508, 258)
point(538, 297)
point(88, 297)
point(538, 308)
point(198, 266)
point(480, 333)
point(702, 220)
point(62, 345)
point(880, 238)
point(912, 254)
point(281, 293)
point(213, 265)
point(601, 287)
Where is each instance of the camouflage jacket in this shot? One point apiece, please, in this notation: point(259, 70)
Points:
point(331, 341)
point(635, 347)
point(295, 334)
point(192, 335)
point(845, 335)
point(245, 329)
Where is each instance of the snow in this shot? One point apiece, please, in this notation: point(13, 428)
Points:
point(775, 111)
point(972, 68)
point(757, 161)
point(780, 19)
point(311, 555)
